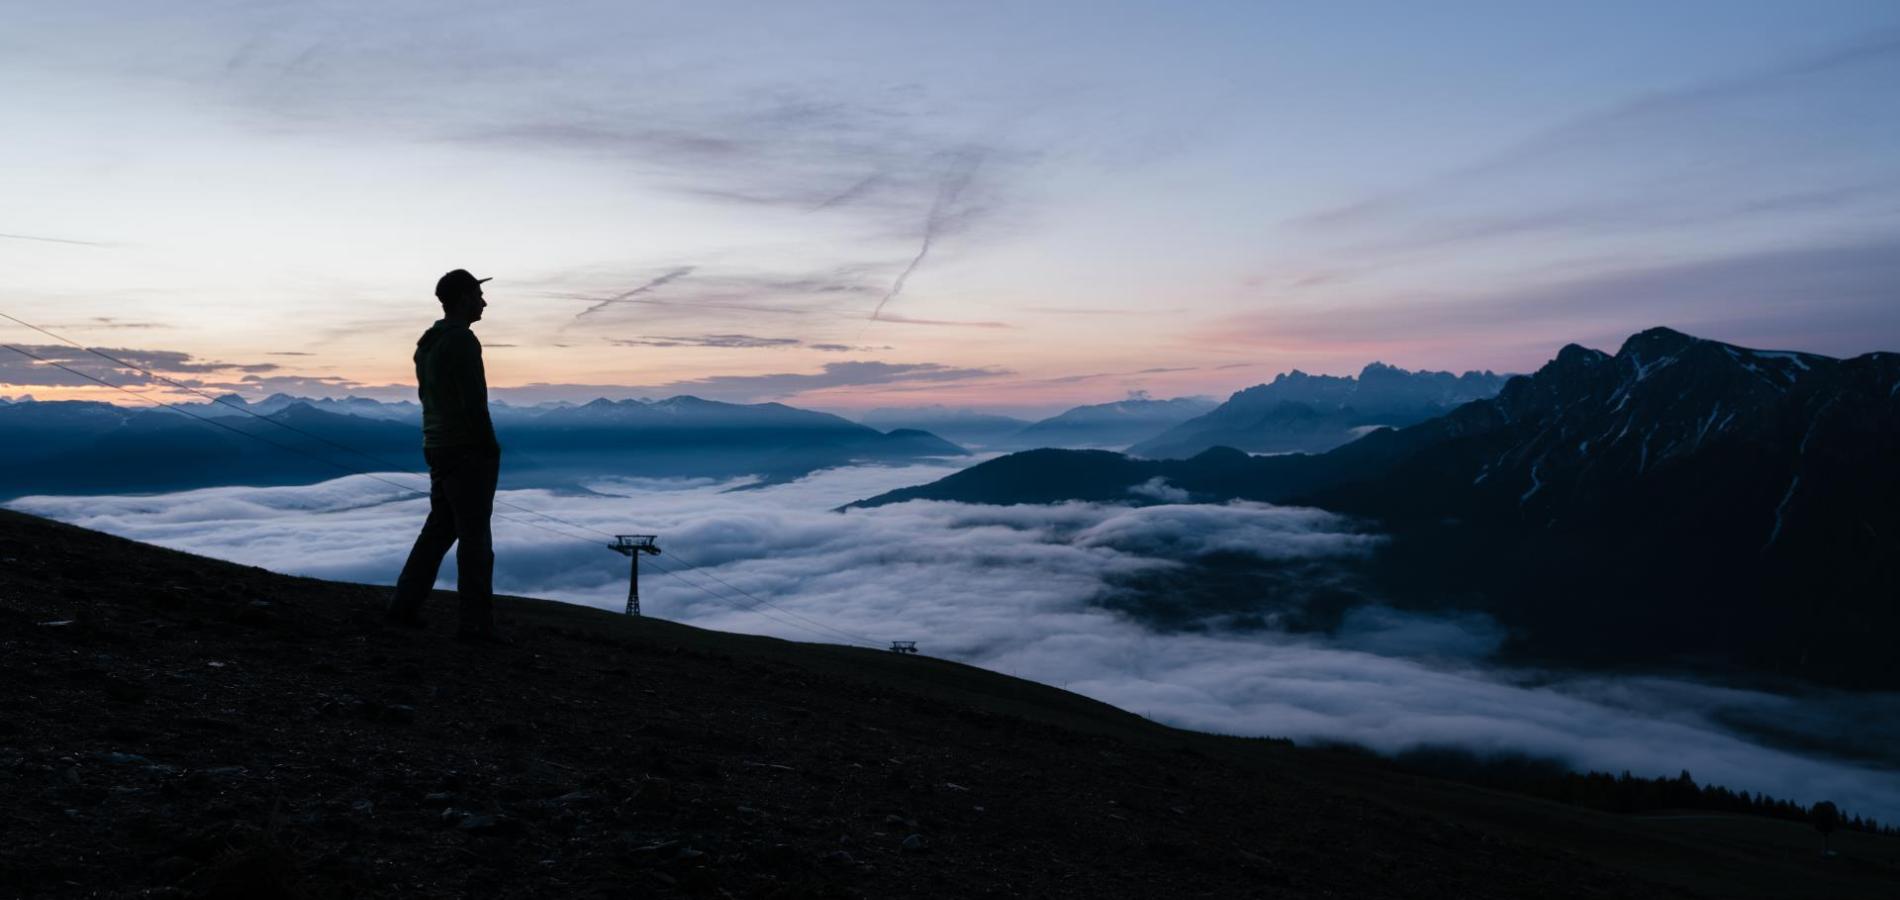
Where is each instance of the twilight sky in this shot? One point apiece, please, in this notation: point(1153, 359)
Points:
point(1011, 206)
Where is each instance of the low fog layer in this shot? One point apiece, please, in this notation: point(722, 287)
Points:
point(1014, 589)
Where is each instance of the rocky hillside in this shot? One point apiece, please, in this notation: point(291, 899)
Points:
point(179, 727)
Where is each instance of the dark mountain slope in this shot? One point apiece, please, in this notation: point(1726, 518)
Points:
point(175, 726)
point(1683, 500)
point(1216, 475)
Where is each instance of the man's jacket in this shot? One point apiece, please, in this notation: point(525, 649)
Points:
point(453, 388)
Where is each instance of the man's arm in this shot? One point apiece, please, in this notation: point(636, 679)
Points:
point(472, 381)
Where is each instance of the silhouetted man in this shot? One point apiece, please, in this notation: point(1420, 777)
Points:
point(464, 461)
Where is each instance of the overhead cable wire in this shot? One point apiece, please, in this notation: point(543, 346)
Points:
point(757, 601)
point(692, 567)
point(815, 627)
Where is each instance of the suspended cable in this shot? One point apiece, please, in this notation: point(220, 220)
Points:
point(820, 629)
point(691, 567)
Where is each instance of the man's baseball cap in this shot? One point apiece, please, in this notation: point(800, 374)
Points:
point(456, 283)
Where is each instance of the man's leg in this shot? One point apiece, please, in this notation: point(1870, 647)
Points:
point(425, 558)
point(472, 496)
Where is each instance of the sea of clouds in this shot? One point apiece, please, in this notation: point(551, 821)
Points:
point(1017, 589)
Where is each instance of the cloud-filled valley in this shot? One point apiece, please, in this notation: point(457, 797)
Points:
point(1021, 589)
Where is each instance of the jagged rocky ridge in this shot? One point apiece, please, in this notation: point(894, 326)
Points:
point(1297, 412)
point(1684, 501)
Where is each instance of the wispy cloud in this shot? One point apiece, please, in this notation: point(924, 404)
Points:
point(834, 376)
point(314, 386)
point(19, 369)
point(649, 287)
point(850, 374)
point(727, 341)
point(171, 373)
point(1096, 311)
point(776, 148)
point(44, 239)
point(1616, 214)
point(741, 342)
point(882, 164)
point(107, 323)
point(1828, 298)
point(819, 155)
point(1092, 376)
point(1633, 121)
point(952, 323)
point(946, 208)
point(703, 294)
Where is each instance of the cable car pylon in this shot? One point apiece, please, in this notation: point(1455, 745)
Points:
point(632, 545)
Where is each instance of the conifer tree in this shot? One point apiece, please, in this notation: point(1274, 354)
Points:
point(1825, 817)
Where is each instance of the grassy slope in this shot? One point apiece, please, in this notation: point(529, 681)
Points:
point(326, 757)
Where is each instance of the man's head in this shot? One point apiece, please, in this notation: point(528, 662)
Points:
point(461, 296)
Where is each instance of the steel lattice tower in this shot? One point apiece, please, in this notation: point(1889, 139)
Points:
point(632, 545)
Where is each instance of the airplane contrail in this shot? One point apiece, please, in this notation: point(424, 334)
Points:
point(650, 286)
point(50, 240)
point(948, 191)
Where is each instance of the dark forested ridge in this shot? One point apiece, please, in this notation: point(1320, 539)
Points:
point(1609, 792)
point(1682, 500)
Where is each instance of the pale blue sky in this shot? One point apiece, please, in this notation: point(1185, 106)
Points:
point(1074, 189)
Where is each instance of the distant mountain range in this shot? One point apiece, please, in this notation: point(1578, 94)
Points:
point(1099, 425)
point(1115, 424)
point(400, 411)
point(1683, 500)
point(1297, 412)
point(89, 447)
point(964, 426)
